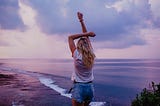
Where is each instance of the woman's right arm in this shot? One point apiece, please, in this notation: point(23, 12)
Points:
point(84, 29)
point(71, 39)
point(80, 17)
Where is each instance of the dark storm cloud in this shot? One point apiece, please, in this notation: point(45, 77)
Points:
point(9, 17)
point(59, 17)
point(106, 22)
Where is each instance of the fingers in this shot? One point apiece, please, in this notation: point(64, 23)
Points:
point(80, 15)
point(92, 34)
point(78, 12)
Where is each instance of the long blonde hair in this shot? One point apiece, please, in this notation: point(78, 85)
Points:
point(86, 50)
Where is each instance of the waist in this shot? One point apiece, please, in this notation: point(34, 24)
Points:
point(83, 82)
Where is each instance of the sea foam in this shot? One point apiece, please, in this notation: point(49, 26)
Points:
point(50, 83)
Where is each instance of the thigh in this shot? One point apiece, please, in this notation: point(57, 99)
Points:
point(89, 93)
point(77, 93)
point(83, 92)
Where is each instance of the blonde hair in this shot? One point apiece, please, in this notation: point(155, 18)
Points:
point(86, 50)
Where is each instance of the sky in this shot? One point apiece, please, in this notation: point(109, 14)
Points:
point(40, 28)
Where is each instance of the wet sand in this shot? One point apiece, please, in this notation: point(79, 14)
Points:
point(24, 90)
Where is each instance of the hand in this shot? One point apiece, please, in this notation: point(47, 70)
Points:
point(91, 34)
point(80, 16)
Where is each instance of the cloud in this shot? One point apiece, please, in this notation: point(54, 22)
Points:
point(122, 43)
point(9, 16)
point(150, 50)
point(3, 43)
point(31, 43)
point(117, 23)
point(121, 17)
point(53, 16)
point(155, 6)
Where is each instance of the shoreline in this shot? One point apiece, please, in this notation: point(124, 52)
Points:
point(114, 82)
point(24, 90)
point(31, 89)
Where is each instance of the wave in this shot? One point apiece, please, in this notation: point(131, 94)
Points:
point(48, 82)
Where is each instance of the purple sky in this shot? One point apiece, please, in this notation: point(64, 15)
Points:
point(39, 28)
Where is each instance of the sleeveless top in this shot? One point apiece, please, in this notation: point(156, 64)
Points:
point(81, 73)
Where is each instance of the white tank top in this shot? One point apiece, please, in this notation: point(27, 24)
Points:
point(81, 73)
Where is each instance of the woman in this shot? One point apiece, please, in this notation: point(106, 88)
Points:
point(82, 53)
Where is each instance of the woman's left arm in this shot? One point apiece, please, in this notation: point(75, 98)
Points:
point(71, 39)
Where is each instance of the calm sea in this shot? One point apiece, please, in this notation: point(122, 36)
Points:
point(116, 80)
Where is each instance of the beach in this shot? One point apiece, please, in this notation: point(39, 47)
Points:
point(45, 82)
point(24, 90)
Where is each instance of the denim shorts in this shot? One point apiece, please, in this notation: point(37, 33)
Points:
point(83, 92)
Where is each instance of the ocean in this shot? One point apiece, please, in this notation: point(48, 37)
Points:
point(116, 81)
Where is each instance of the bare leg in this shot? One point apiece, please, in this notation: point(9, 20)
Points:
point(75, 103)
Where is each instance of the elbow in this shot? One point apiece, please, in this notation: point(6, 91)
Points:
point(70, 38)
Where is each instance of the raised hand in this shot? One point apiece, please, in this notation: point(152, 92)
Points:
point(91, 34)
point(80, 16)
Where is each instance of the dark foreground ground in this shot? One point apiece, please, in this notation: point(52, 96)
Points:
point(24, 90)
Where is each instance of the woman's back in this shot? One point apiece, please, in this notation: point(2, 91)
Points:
point(81, 73)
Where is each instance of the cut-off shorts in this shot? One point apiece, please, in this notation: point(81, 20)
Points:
point(83, 92)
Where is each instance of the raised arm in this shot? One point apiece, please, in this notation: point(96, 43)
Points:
point(80, 17)
point(84, 29)
point(71, 39)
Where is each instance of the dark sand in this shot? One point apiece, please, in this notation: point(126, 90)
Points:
point(24, 90)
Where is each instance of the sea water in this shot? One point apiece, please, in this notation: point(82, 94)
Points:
point(116, 81)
